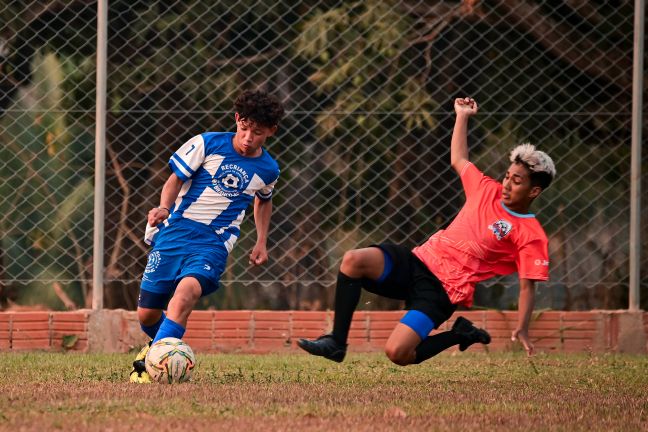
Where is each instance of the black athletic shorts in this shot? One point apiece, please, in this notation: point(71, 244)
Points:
point(412, 281)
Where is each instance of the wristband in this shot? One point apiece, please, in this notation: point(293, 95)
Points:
point(168, 211)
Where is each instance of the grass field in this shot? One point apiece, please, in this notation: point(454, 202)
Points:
point(47, 391)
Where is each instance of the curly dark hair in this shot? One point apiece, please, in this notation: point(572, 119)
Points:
point(259, 107)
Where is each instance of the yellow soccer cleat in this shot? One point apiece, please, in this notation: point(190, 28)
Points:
point(145, 349)
point(138, 374)
point(140, 377)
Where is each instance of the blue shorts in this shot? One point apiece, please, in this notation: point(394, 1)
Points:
point(166, 268)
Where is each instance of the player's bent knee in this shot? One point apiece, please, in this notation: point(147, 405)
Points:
point(359, 262)
point(398, 355)
point(351, 260)
point(148, 316)
point(190, 287)
point(185, 301)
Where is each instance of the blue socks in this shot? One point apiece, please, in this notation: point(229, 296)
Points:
point(165, 327)
point(152, 330)
point(169, 328)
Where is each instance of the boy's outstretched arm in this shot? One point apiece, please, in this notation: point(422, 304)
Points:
point(170, 192)
point(262, 213)
point(525, 308)
point(464, 108)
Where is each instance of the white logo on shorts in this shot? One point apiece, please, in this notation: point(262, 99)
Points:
point(207, 267)
point(153, 262)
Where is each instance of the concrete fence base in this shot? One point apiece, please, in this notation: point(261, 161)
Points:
point(248, 331)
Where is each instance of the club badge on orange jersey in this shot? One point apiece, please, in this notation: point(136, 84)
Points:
point(500, 228)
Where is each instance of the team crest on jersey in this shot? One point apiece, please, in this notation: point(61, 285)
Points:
point(230, 180)
point(500, 228)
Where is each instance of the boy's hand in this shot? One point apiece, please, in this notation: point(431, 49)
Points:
point(523, 336)
point(465, 106)
point(259, 255)
point(157, 215)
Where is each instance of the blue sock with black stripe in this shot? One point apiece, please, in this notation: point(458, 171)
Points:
point(169, 328)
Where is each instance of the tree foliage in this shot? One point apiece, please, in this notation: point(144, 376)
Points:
point(368, 86)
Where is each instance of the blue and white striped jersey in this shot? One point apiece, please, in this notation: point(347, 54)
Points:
point(219, 184)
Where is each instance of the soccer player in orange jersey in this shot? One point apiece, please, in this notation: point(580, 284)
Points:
point(493, 234)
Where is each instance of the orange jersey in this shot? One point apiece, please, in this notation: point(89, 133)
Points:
point(486, 239)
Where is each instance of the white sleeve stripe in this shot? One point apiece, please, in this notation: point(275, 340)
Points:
point(183, 164)
point(189, 157)
point(179, 167)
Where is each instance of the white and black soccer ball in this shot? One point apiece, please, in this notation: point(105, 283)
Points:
point(170, 360)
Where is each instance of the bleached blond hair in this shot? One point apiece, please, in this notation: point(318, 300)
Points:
point(541, 166)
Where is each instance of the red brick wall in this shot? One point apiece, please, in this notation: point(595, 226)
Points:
point(23, 331)
point(277, 331)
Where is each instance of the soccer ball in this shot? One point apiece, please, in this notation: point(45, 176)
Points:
point(170, 360)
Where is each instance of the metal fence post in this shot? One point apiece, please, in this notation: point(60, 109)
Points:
point(635, 170)
point(100, 156)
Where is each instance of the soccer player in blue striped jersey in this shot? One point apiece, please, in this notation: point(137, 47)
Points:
point(214, 177)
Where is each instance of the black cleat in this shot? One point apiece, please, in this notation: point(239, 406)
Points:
point(139, 366)
point(324, 346)
point(472, 334)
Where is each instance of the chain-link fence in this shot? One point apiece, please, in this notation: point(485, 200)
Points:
point(364, 148)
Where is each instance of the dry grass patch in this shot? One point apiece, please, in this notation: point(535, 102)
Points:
point(47, 391)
